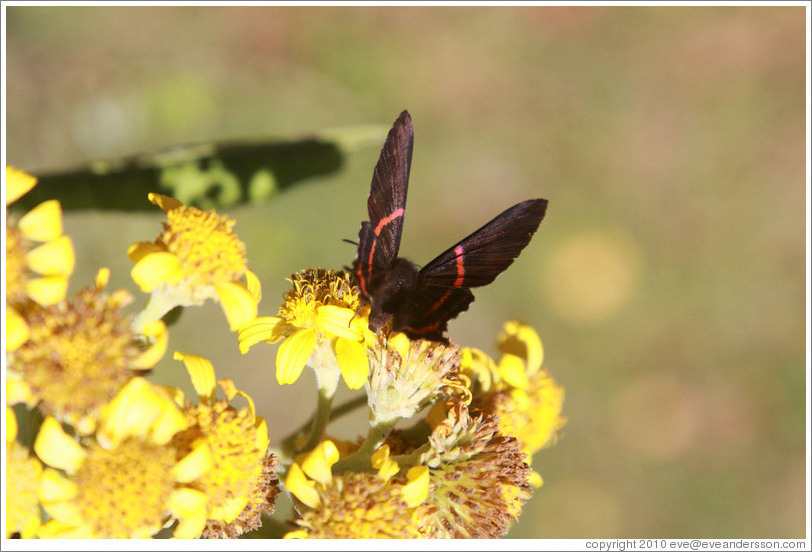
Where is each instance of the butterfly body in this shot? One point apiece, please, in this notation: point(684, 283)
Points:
point(421, 301)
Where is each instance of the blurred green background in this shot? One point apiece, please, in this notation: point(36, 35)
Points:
point(667, 280)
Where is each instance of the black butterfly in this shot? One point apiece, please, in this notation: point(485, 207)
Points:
point(421, 301)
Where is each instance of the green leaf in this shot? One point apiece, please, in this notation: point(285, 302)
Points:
point(212, 175)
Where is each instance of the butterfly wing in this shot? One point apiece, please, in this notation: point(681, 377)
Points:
point(430, 310)
point(442, 285)
point(479, 258)
point(379, 238)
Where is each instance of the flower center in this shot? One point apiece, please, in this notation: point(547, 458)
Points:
point(360, 506)
point(15, 266)
point(204, 242)
point(236, 458)
point(23, 478)
point(78, 354)
point(123, 491)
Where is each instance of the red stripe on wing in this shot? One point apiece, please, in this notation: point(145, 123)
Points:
point(460, 266)
point(384, 221)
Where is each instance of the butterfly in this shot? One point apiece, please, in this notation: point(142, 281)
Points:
point(421, 301)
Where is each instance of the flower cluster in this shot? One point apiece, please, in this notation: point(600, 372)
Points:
point(86, 429)
point(95, 449)
point(460, 467)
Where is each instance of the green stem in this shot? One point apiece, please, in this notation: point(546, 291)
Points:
point(288, 443)
point(360, 461)
point(155, 309)
point(411, 459)
point(320, 420)
point(349, 406)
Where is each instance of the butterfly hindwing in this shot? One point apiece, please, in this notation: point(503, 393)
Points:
point(479, 258)
point(379, 238)
point(430, 310)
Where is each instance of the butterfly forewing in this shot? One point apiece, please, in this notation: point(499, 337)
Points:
point(379, 238)
point(390, 182)
point(479, 258)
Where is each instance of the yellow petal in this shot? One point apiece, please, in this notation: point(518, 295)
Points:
point(56, 448)
point(194, 464)
point(262, 434)
point(231, 391)
point(43, 223)
point(48, 290)
point(18, 392)
point(228, 509)
point(171, 421)
point(253, 285)
point(318, 463)
point(512, 371)
point(86, 425)
point(292, 355)
point(53, 529)
point(140, 410)
point(55, 487)
point(139, 250)
point(102, 278)
point(353, 362)
point(156, 268)
point(175, 394)
point(400, 343)
point(238, 304)
point(11, 425)
point(387, 468)
point(480, 365)
point(156, 332)
point(335, 321)
point(201, 372)
point(189, 506)
point(535, 480)
point(298, 534)
point(299, 486)
point(263, 328)
point(18, 183)
point(166, 203)
point(522, 340)
point(53, 258)
point(17, 331)
point(417, 490)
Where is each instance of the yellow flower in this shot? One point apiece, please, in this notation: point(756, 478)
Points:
point(39, 259)
point(322, 319)
point(405, 376)
point(517, 389)
point(355, 505)
point(241, 484)
point(197, 257)
point(23, 474)
point(130, 463)
point(80, 353)
point(478, 477)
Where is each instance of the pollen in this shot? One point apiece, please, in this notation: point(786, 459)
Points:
point(123, 492)
point(236, 459)
point(79, 353)
point(314, 287)
point(261, 500)
point(479, 478)
point(22, 478)
point(16, 266)
point(360, 506)
point(533, 415)
point(208, 249)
